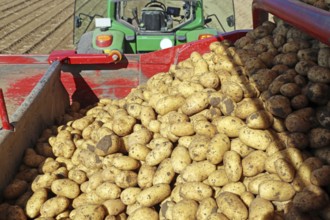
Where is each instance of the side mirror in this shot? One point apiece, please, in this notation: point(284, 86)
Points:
point(231, 21)
point(207, 20)
point(77, 21)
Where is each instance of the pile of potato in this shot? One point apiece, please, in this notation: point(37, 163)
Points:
point(241, 132)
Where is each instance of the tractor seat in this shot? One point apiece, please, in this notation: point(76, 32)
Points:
point(153, 19)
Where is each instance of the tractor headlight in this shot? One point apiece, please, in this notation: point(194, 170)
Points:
point(165, 43)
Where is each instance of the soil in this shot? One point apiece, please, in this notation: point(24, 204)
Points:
point(41, 26)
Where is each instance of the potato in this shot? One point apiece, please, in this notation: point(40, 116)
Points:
point(321, 176)
point(43, 181)
point(300, 120)
point(164, 173)
point(276, 190)
point(247, 197)
point(217, 147)
point(153, 195)
point(182, 129)
point(279, 106)
point(206, 208)
point(128, 195)
point(32, 159)
point(253, 185)
point(292, 155)
point(254, 138)
point(299, 101)
point(145, 176)
point(263, 78)
point(54, 206)
point(237, 188)
point(108, 190)
point(138, 151)
point(311, 193)
point(232, 90)
point(232, 164)
point(198, 147)
point(319, 137)
point(143, 213)
point(198, 171)
point(126, 163)
point(126, 179)
point(185, 210)
point(304, 173)
point(66, 188)
point(180, 158)
point(209, 80)
point(238, 146)
point(247, 106)
point(204, 127)
point(260, 120)
point(232, 206)
point(114, 206)
point(169, 103)
point(303, 66)
point(15, 212)
point(34, 204)
point(27, 175)
point(261, 209)
point(195, 103)
point(196, 191)
point(318, 93)
point(254, 163)
point(159, 153)
point(230, 125)
point(15, 189)
point(86, 212)
point(284, 170)
point(319, 74)
point(89, 159)
point(218, 177)
point(78, 176)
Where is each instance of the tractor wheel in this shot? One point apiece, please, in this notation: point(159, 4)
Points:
point(85, 44)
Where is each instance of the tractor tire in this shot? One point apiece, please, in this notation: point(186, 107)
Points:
point(85, 45)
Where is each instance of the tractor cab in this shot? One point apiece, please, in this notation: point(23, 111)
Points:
point(140, 26)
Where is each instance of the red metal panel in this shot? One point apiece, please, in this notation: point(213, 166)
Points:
point(3, 113)
point(307, 18)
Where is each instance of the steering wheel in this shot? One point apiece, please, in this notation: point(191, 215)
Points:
point(156, 4)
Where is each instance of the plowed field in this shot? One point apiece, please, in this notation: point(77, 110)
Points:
point(40, 26)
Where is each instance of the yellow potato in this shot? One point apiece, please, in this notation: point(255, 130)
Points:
point(146, 175)
point(34, 204)
point(218, 177)
point(198, 171)
point(126, 178)
point(230, 125)
point(128, 195)
point(237, 188)
point(114, 206)
point(66, 188)
point(180, 158)
point(169, 103)
point(125, 163)
point(43, 181)
point(182, 129)
point(233, 165)
point(217, 147)
point(254, 163)
point(257, 139)
point(195, 190)
point(108, 190)
point(185, 210)
point(284, 170)
point(253, 185)
point(206, 208)
point(164, 173)
point(54, 206)
point(276, 190)
point(86, 212)
point(261, 209)
point(232, 206)
point(159, 153)
point(143, 213)
point(195, 103)
point(198, 147)
point(153, 195)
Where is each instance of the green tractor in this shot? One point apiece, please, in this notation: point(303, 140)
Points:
point(141, 26)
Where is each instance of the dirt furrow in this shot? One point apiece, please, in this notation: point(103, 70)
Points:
point(26, 31)
point(41, 33)
point(10, 4)
point(26, 15)
point(50, 41)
